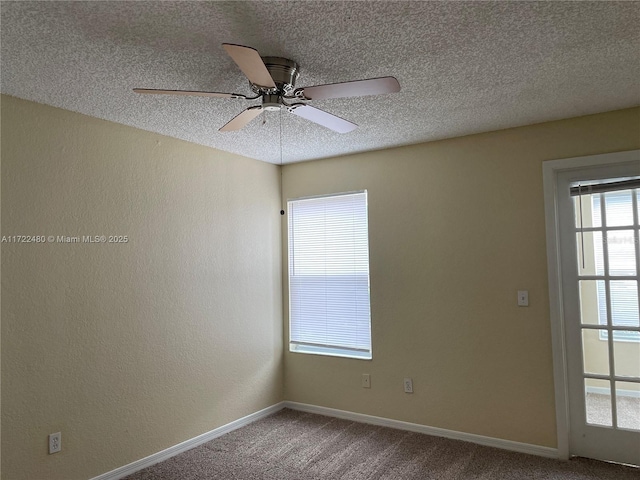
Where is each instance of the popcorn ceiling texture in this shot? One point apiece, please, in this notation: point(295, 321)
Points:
point(464, 67)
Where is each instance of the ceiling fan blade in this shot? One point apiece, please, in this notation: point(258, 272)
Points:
point(323, 118)
point(249, 61)
point(188, 92)
point(357, 88)
point(239, 121)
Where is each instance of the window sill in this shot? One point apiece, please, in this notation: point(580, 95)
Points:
point(330, 352)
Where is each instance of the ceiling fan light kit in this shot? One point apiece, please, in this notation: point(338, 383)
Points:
point(273, 80)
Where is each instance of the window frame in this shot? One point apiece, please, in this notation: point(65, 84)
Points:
point(314, 348)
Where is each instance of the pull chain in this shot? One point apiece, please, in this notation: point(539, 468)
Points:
point(281, 183)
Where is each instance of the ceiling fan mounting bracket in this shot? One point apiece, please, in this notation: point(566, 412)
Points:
point(298, 94)
point(284, 72)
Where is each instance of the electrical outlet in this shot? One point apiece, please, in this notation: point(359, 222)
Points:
point(408, 385)
point(366, 380)
point(55, 442)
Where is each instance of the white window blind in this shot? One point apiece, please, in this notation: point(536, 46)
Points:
point(619, 208)
point(329, 310)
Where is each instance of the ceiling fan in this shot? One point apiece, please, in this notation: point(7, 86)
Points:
point(273, 79)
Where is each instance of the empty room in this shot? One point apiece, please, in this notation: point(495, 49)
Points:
point(320, 240)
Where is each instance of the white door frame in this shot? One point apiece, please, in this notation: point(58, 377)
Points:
point(550, 171)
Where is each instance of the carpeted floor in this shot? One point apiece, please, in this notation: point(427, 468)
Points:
point(292, 445)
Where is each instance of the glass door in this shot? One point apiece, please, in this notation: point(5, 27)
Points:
point(599, 235)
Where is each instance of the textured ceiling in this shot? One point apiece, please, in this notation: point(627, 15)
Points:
point(464, 67)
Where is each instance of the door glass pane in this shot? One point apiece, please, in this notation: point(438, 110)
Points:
point(619, 209)
point(595, 352)
point(598, 401)
point(624, 303)
point(593, 309)
point(626, 354)
point(628, 405)
point(591, 244)
point(590, 215)
point(621, 245)
point(596, 210)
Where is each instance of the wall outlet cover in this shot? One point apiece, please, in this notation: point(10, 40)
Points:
point(408, 385)
point(55, 442)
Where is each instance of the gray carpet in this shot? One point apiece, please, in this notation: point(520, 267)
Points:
point(291, 445)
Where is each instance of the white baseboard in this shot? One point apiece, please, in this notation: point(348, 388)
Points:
point(437, 432)
point(158, 457)
point(133, 467)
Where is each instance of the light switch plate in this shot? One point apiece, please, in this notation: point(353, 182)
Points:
point(523, 298)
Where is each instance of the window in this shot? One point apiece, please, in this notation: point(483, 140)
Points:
point(329, 310)
point(607, 220)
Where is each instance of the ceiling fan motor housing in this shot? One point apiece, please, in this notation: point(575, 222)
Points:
point(284, 72)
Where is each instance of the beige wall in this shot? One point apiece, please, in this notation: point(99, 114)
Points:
point(456, 228)
point(128, 349)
